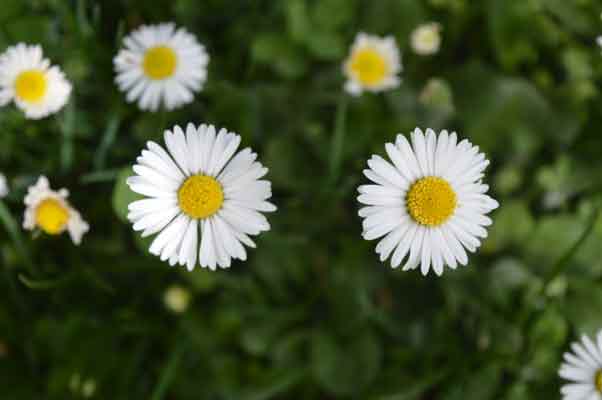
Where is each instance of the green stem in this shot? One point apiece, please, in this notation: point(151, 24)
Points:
point(338, 139)
point(169, 371)
point(564, 261)
point(14, 232)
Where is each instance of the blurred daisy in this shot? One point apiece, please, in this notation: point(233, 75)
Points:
point(3, 186)
point(599, 41)
point(426, 39)
point(27, 78)
point(161, 65)
point(176, 299)
point(429, 204)
point(583, 368)
point(372, 65)
point(50, 211)
point(204, 199)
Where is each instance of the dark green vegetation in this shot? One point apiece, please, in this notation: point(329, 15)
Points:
point(312, 314)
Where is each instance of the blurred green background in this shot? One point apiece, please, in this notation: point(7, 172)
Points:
point(313, 314)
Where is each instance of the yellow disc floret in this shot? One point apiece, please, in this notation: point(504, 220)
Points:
point(598, 380)
point(159, 62)
point(200, 196)
point(431, 201)
point(52, 216)
point(368, 66)
point(31, 85)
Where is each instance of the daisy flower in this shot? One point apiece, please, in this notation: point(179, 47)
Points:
point(27, 78)
point(426, 39)
point(428, 204)
point(49, 211)
point(583, 369)
point(3, 186)
point(204, 199)
point(372, 65)
point(161, 65)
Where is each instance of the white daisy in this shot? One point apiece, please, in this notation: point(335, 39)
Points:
point(373, 64)
point(426, 39)
point(161, 65)
point(583, 368)
point(27, 78)
point(3, 186)
point(50, 211)
point(429, 204)
point(204, 199)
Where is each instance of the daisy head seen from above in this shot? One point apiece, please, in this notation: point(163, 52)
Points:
point(428, 203)
point(426, 39)
point(373, 64)
point(50, 212)
point(161, 65)
point(583, 369)
point(28, 79)
point(204, 199)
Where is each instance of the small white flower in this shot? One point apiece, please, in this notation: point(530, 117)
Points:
point(372, 65)
point(201, 191)
point(161, 65)
point(583, 368)
point(599, 41)
point(426, 39)
point(27, 78)
point(176, 299)
point(50, 211)
point(428, 204)
point(3, 186)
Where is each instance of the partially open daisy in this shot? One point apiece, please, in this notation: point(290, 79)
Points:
point(426, 39)
point(429, 204)
point(50, 212)
point(583, 368)
point(27, 78)
point(3, 186)
point(204, 199)
point(161, 65)
point(372, 65)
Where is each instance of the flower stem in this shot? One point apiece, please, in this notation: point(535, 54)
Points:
point(338, 140)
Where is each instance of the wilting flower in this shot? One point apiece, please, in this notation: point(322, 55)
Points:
point(372, 65)
point(426, 39)
point(27, 78)
point(49, 211)
point(161, 65)
point(583, 368)
point(428, 204)
point(204, 199)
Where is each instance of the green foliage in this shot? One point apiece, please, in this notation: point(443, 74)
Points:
point(312, 314)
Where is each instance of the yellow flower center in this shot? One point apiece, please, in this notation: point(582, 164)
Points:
point(200, 196)
point(598, 380)
point(31, 85)
point(159, 62)
point(369, 66)
point(52, 216)
point(431, 201)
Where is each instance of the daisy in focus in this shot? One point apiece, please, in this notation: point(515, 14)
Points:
point(204, 199)
point(27, 78)
point(428, 203)
point(426, 39)
point(49, 211)
point(161, 65)
point(583, 369)
point(3, 186)
point(372, 65)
